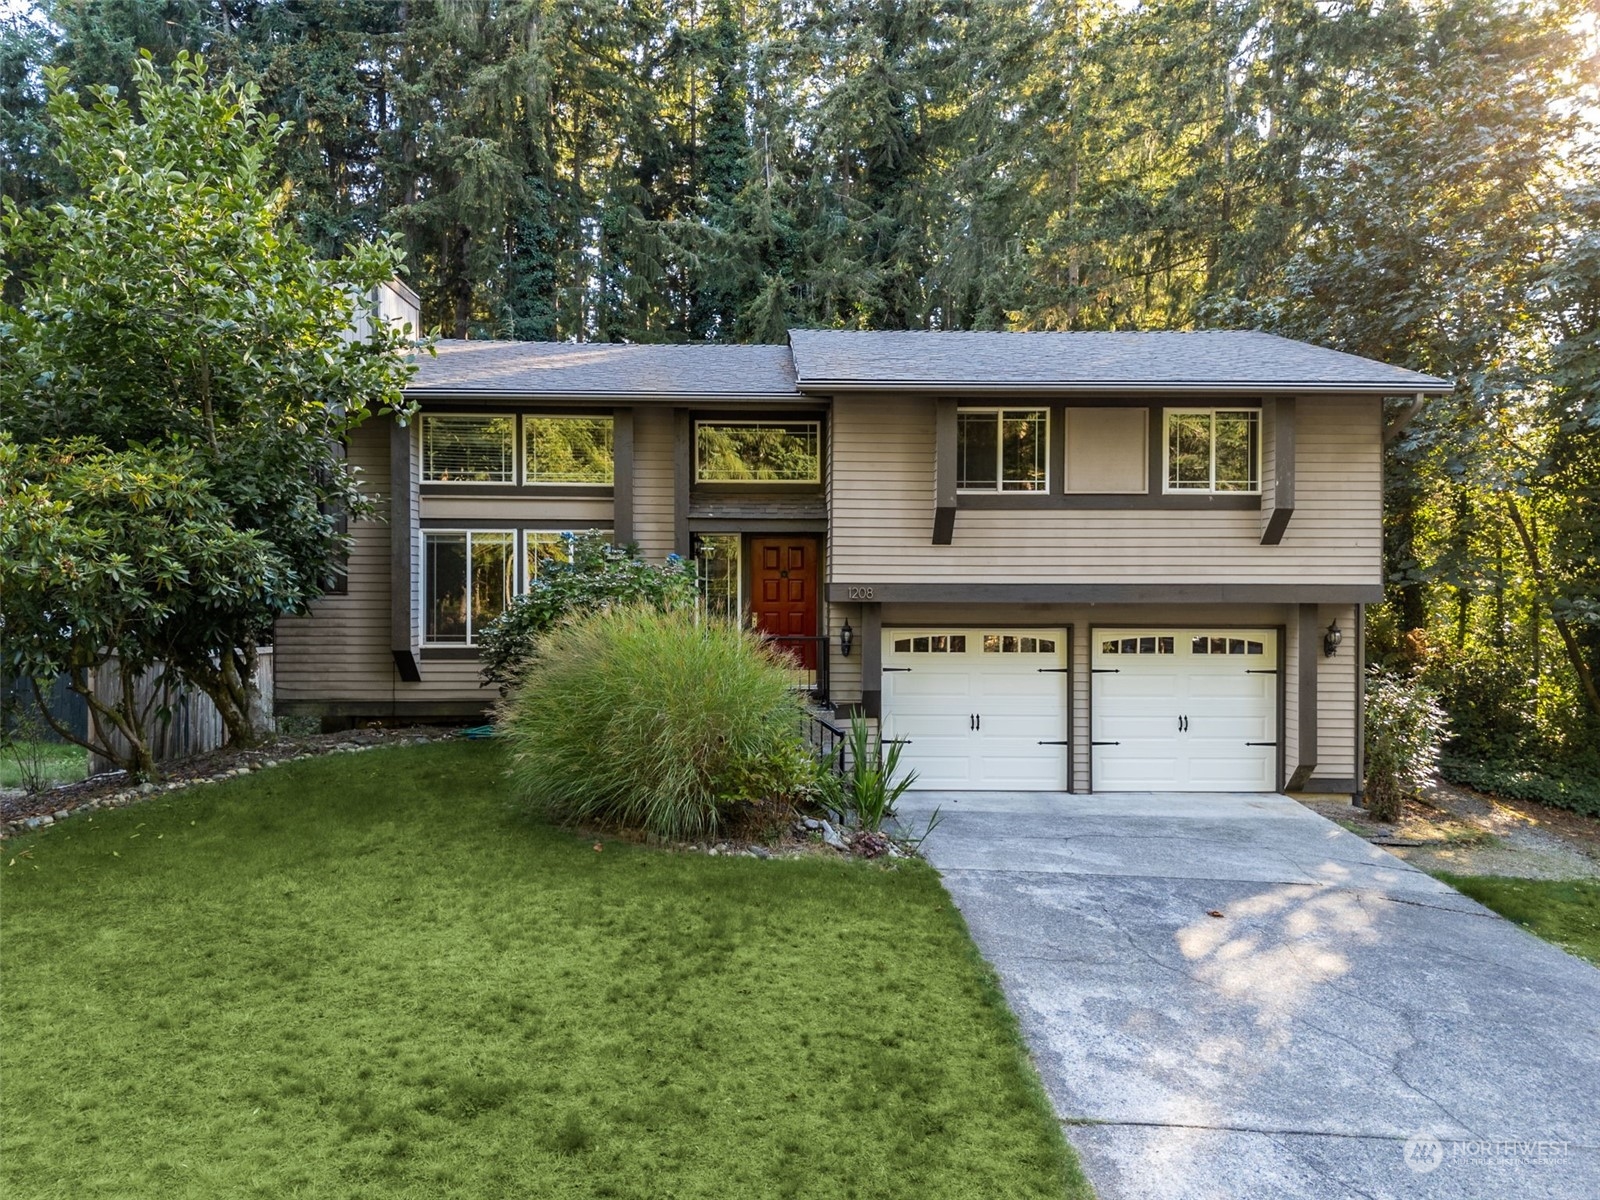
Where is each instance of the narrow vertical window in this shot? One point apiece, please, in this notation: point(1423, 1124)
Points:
point(446, 559)
point(494, 577)
point(718, 556)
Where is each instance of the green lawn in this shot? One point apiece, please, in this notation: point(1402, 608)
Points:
point(1564, 912)
point(59, 763)
point(368, 975)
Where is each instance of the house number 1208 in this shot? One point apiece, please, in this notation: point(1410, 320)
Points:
point(860, 593)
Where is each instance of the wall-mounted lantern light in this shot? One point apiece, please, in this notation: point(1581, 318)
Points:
point(847, 637)
point(1332, 638)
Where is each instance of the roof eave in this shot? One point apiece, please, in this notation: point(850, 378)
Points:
point(427, 393)
point(969, 387)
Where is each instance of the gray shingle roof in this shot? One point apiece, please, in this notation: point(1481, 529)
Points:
point(1200, 361)
point(603, 369)
point(829, 360)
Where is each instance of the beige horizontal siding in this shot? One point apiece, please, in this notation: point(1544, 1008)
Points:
point(340, 650)
point(534, 511)
point(1336, 696)
point(882, 517)
point(653, 491)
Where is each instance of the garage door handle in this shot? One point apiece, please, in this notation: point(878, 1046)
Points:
point(886, 670)
point(1105, 743)
point(1260, 671)
point(1105, 670)
point(1065, 743)
point(1261, 743)
point(1054, 670)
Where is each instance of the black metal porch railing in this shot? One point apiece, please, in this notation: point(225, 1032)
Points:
point(827, 742)
point(809, 657)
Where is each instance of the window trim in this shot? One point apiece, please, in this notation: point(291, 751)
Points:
point(522, 451)
point(423, 478)
point(469, 532)
point(698, 480)
point(1166, 450)
point(739, 598)
point(520, 577)
point(999, 488)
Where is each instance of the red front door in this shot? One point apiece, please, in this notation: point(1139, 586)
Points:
point(783, 593)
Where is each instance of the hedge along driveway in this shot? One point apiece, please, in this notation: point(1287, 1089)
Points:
point(369, 976)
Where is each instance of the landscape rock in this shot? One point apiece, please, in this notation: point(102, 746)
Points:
point(830, 836)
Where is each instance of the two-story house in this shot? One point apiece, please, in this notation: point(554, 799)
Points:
point(1043, 561)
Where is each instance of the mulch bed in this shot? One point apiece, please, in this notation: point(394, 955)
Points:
point(21, 812)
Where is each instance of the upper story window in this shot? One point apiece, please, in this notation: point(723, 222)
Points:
point(573, 450)
point(1213, 450)
point(758, 452)
point(463, 449)
point(1002, 449)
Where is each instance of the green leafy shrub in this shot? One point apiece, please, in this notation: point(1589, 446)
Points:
point(1575, 786)
point(589, 574)
point(1489, 698)
point(646, 719)
point(865, 791)
point(1405, 728)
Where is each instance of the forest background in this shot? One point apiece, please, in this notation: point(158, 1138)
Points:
point(1414, 180)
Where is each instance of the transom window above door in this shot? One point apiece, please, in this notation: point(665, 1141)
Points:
point(758, 452)
point(1002, 449)
point(1213, 450)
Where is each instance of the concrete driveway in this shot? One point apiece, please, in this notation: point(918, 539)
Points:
point(1341, 1004)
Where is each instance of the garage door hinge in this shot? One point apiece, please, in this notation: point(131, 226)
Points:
point(1055, 670)
point(1105, 670)
point(1105, 743)
point(1261, 743)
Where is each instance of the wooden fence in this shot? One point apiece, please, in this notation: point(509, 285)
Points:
point(182, 721)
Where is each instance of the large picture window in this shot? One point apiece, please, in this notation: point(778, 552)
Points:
point(574, 450)
point(458, 449)
point(1213, 450)
point(1002, 449)
point(471, 576)
point(758, 452)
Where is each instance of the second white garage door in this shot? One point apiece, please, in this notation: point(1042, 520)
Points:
point(979, 707)
point(1184, 709)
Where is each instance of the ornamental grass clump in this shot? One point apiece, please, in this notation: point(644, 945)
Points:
point(651, 720)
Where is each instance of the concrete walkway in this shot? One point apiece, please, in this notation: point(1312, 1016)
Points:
point(1341, 1004)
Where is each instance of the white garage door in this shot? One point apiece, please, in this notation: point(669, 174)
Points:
point(1184, 709)
point(979, 707)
